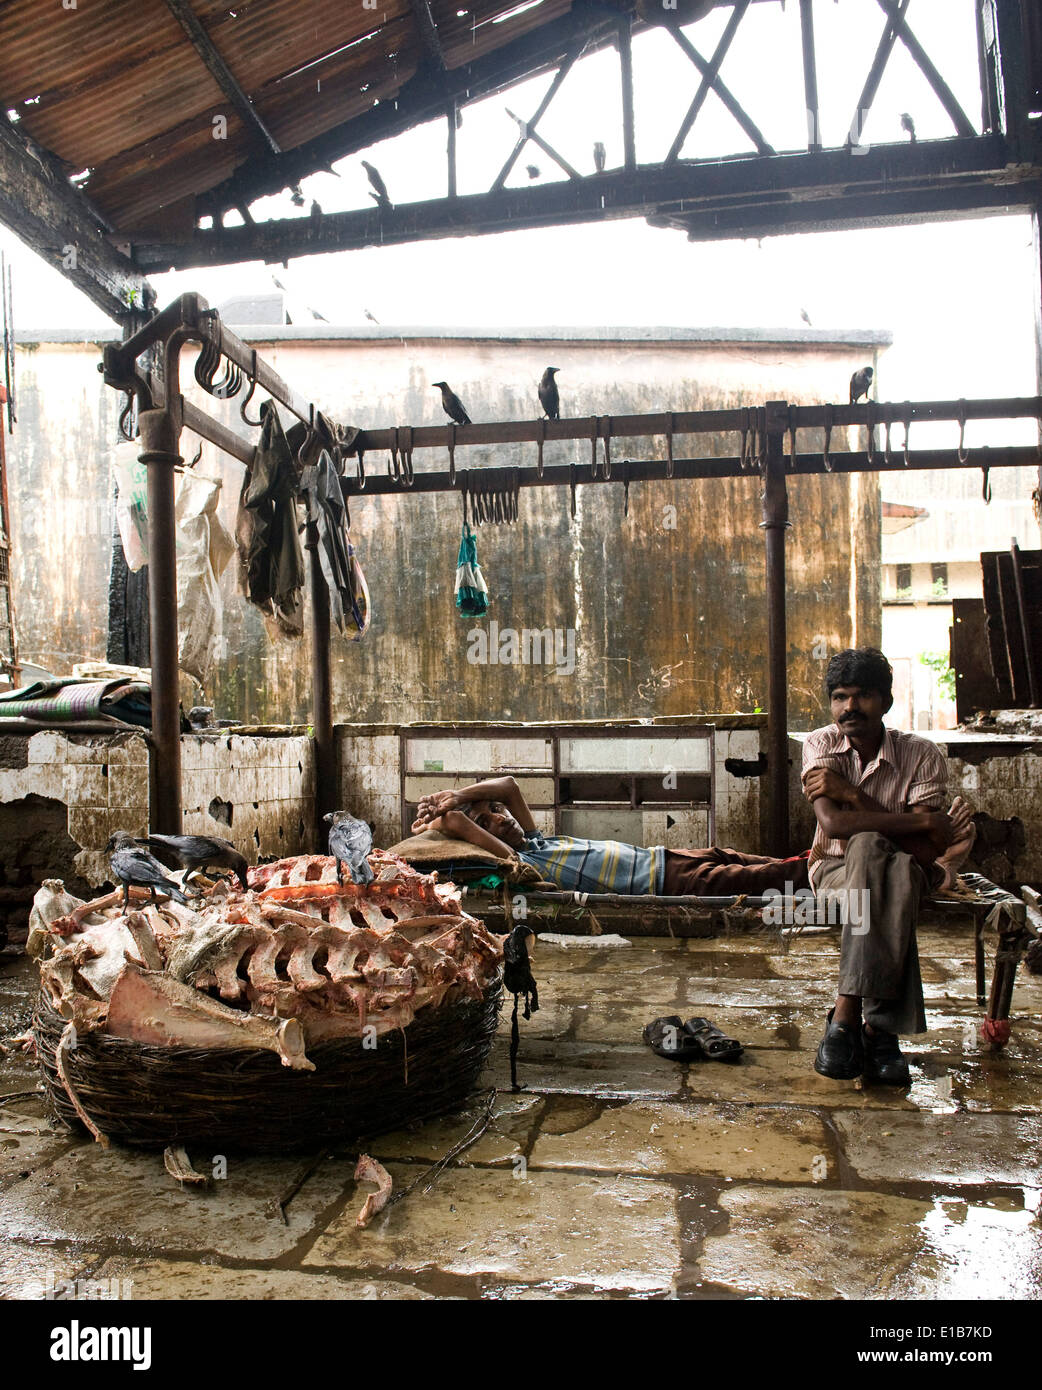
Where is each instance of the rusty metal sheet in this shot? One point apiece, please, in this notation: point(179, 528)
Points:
point(119, 89)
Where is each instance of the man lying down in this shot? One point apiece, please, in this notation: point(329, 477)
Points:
point(494, 815)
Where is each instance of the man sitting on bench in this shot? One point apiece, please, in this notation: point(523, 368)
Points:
point(882, 840)
point(495, 816)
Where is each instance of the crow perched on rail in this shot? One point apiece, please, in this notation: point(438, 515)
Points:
point(133, 865)
point(196, 851)
point(549, 397)
point(861, 384)
point(452, 404)
point(350, 840)
point(379, 194)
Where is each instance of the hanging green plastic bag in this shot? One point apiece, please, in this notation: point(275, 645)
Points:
point(471, 590)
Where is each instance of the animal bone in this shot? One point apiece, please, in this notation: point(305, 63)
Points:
point(149, 1007)
point(369, 1170)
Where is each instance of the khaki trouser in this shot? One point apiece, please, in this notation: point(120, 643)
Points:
point(879, 957)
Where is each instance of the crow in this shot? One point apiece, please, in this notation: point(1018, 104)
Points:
point(861, 384)
point(132, 865)
point(379, 194)
point(908, 125)
point(350, 840)
point(549, 397)
point(599, 156)
point(196, 851)
point(452, 404)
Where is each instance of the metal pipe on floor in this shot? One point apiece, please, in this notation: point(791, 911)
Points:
point(774, 525)
point(159, 451)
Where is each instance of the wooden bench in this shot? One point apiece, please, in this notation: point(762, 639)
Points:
point(1017, 922)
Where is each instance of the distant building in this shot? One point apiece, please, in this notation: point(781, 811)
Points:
point(935, 526)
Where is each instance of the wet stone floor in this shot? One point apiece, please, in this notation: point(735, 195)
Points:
point(612, 1174)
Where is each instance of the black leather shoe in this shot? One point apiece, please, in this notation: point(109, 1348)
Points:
point(885, 1064)
point(840, 1053)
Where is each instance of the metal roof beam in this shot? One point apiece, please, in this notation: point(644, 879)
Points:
point(725, 198)
point(222, 74)
point(55, 219)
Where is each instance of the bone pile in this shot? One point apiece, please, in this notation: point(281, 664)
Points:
point(296, 960)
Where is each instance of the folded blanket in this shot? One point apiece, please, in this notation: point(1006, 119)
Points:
point(70, 700)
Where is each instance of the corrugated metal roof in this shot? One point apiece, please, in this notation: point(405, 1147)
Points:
point(118, 88)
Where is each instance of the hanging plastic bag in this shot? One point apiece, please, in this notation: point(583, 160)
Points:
point(132, 504)
point(204, 548)
point(471, 590)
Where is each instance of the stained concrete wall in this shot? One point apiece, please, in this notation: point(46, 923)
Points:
point(70, 792)
point(668, 610)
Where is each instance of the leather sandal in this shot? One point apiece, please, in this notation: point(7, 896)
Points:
point(714, 1045)
point(666, 1038)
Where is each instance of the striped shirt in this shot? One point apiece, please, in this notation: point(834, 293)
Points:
point(595, 866)
point(907, 771)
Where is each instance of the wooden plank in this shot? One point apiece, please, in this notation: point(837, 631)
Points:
point(962, 123)
point(875, 75)
point(723, 92)
point(629, 142)
point(975, 684)
point(222, 74)
point(993, 627)
point(810, 74)
point(708, 81)
point(40, 205)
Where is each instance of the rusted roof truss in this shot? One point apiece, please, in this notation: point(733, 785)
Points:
point(746, 194)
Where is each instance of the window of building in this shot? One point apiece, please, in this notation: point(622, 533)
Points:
point(939, 581)
point(903, 582)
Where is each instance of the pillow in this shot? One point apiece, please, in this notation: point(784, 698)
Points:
point(431, 849)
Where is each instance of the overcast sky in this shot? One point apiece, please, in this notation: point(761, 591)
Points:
point(957, 297)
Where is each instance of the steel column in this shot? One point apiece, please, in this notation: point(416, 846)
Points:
point(774, 525)
point(322, 688)
point(1036, 227)
point(159, 445)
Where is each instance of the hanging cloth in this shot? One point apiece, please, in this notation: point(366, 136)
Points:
point(518, 980)
point(319, 451)
point(471, 590)
point(271, 562)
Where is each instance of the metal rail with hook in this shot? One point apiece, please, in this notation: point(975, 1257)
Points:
point(163, 413)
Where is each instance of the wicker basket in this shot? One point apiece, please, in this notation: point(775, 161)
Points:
point(247, 1100)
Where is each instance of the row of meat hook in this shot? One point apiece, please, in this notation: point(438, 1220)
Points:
point(754, 438)
point(249, 396)
point(826, 443)
point(601, 429)
point(399, 465)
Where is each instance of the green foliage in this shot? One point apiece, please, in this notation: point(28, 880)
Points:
point(938, 664)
